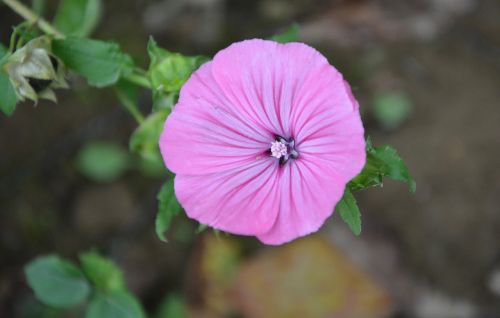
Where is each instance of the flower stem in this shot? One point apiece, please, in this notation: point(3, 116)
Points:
point(32, 17)
point(138, 79)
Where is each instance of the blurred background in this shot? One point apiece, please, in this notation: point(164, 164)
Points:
point(427, 75)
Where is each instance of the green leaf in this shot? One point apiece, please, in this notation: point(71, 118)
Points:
point(349, 212)
point(102, 161)
point(144, 140)
point(128, 95)
point(173, 306)
point(101, 63)
point(102, 272)
point(118, 304)
point(57, 282)
point(78, 17)
point(290, 35)
point(168, 71)
point(8, 98)
point(383, 161)
point(168, 207)
point(391, 109)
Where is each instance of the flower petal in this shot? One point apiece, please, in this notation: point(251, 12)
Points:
point(243, 201)
point(309, 194)
point(261, 79)
point(330, 130)
point(202, 85)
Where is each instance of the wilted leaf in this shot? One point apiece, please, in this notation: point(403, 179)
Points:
point(118, 304)
point(102, 272)
point(349, 212)
point(102, 63)
point(57, 282)
point(290, 35)
point(168, 208)
point(102, 161)
point(78, 17)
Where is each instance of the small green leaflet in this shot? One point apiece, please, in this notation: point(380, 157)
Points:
point(144, 140)
point(8, 98)
point(168, 71)
point(168, 207)
point(78, 17)
point(57, 282)
point(349, 212)
point(102, 272)
point(383, 161)
point(117, 304)
point(290, 35)
point(101, 63)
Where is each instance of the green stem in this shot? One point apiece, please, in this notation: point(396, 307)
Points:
point(138, 79)
point(32, 17)
point(130, 107)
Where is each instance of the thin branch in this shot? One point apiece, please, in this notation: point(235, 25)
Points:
point(30, 16)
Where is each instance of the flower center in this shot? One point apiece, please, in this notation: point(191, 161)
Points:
point(283, 149)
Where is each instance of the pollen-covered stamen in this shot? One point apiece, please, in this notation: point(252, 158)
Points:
point(283, 149)
point(278, 149)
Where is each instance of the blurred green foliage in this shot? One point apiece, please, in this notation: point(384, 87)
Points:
point(116, 304)
point(102, 272)
point(289, 35)
point(173, 306)
point(103, 161)
point(57, 282)
point(78, 17)
point(391, 109)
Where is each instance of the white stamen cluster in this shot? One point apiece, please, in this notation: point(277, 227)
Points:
point(278, 149)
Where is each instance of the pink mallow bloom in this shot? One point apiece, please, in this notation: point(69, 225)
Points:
point(263, 141)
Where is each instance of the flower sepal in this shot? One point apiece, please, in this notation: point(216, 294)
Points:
point(34, 71)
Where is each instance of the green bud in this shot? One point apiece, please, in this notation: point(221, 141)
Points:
point(34, 71)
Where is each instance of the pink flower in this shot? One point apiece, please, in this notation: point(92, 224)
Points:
point(263, 141)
